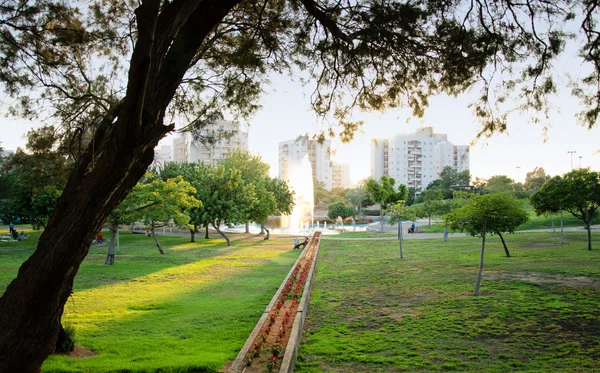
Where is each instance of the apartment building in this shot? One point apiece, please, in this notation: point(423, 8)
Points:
point(292, 152)
point(416, 159)
point(211, 144)
point(340, 175)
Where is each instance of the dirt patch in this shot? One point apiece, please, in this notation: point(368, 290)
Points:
point(80, 352)
point(546, 278)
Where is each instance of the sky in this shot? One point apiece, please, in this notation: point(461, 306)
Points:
point(286, 114)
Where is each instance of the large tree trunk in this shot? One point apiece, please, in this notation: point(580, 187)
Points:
point(247, 227)
point(480, 271)
point(110, 255)
point(262, 227)
point(216, 226)
point(206, 232)
point(504, 244)
point(33, 303)
point(160, 250)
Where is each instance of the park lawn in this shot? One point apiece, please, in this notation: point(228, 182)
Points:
point(538, 311)
point(189, 310)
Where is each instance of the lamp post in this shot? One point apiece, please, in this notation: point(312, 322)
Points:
point(518, 168)
point(571, 152)
point(580, 162)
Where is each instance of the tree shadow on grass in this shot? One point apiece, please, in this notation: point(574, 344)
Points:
point(196, 323)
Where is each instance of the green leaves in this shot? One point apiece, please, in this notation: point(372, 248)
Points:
point(494, 213)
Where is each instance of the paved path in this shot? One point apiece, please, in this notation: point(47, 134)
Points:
point(394, 229)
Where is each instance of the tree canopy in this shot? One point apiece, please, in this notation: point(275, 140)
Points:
point(116, 79)
point(490, 213)
point(577, 192)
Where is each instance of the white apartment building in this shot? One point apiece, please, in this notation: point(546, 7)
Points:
point(211, 144)
point(162, 155)
point(340, 175)
point(292, 152)
point(416, 159)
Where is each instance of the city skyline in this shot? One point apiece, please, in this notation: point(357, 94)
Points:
point(286, 115)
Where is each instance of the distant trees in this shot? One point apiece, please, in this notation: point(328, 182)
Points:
point(535, 179)
point(341, 209)
point(32, 181)
point(577, 192)
point(356, 197)
point(491, 213)
point(236, 191)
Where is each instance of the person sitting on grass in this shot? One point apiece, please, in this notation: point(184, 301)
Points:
point(15, 235)
point(99, 239)
point(21, 236)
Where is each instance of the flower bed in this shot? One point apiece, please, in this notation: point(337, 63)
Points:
point(265, 348)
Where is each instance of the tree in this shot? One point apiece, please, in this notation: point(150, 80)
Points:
point(383, 192)
point(448, 177)
point(253, 171)
point(356, 197)
point(499, 184)
point(225, 197)
point(411, 196)
point(339, 209)
point(577, 192)
point(463, 179)
point(35, 178)
point(432, 203)
point(535, 179)
point(548, 200)
point(494, 213)
point(162, 202)
point(201, 58)
point(399, 212)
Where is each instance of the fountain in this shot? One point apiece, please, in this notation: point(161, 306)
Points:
point(300, 181)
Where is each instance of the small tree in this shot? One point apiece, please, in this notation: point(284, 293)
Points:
point(383, 192)
point(164, 201)
point(493, 213)
point(577, 192)
point(399, 212)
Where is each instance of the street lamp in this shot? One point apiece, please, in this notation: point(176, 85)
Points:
point(571, 152)
point(518, 168)
point(579, 162)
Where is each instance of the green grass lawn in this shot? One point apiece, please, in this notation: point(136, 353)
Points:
point(190, 310)
point(539, 311)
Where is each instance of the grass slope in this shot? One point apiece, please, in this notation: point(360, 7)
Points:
point(372, 312)
point(190, 310)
